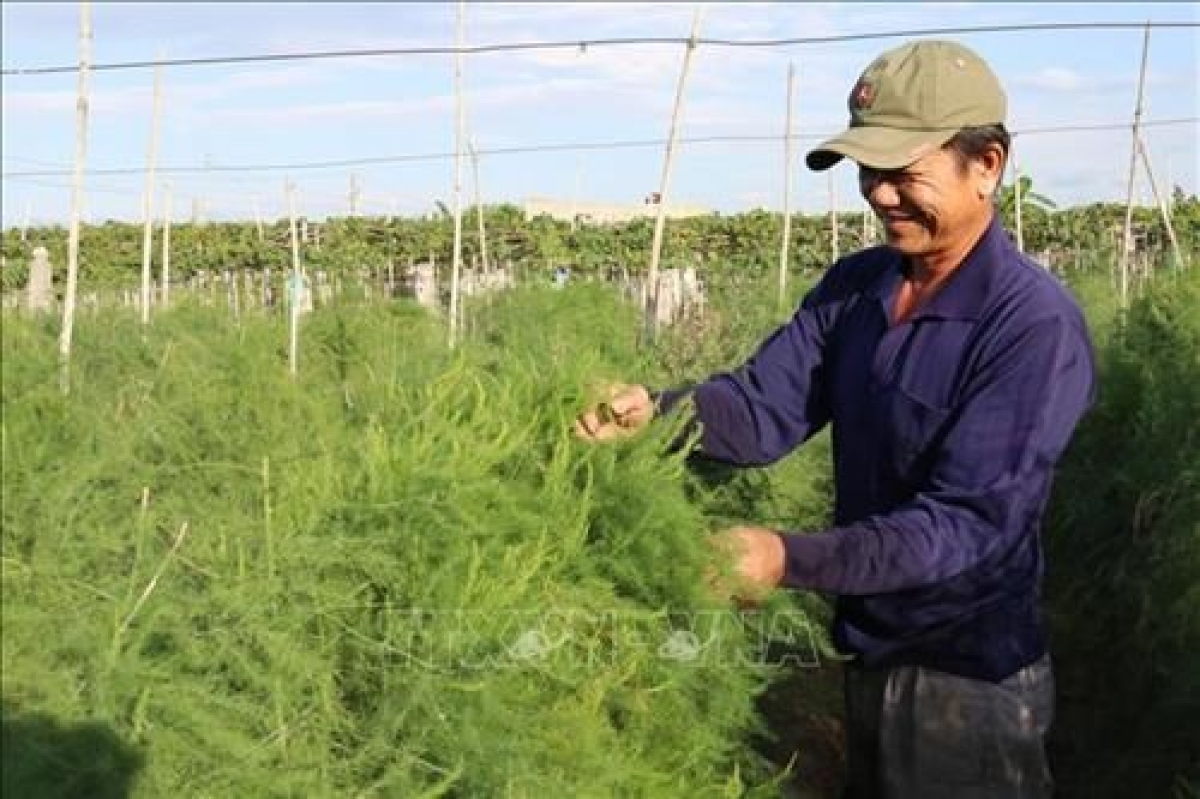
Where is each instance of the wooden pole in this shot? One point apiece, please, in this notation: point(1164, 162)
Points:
point(1018, 201)
point(1161, 200)
point(1168, 180)
point(148, 197)
point(787, 188)
point(355, 194)
point(296, 285)
point(483, 255)
point(650, 288)
point(81, 118)
point(1127, 237)
point(576, 192)
point(459, 135)
point(232, 285)
point(834, 242)
point(166, 247)
point(258, 222)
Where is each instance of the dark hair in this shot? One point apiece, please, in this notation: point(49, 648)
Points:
point(971, 143)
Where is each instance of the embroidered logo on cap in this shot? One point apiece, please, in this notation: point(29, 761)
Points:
point(863, 95)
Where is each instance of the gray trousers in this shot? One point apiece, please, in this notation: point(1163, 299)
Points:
point(916, 733)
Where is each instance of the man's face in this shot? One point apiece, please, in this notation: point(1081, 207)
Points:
point(933, 206)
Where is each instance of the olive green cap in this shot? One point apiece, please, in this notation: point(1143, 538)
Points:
point(910, 101)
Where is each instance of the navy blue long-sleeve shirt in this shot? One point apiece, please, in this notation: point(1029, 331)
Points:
point(945, 428)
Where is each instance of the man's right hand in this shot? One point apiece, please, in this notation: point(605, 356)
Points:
point(627, 410)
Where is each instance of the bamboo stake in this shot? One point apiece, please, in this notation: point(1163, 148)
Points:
point(650, 288)
point(575, 193)
point(834, 243)
point(258, 222)
point(148, 197)
point(355, 193)
point(787, 188)
point(1126, 239)
point(234, 299)
point(1018, 200)
point(81, 117)
point(459, 134)
point(166, 247)
point(1162, 203)
point(1168, 172)
point(142, 519)
point(150, 586)
point(483, 254)
point(296, 286)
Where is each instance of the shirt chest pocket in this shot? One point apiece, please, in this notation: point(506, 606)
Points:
point(911, 430)
point(916, 372)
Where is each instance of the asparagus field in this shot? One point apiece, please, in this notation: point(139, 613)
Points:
point(397, 574)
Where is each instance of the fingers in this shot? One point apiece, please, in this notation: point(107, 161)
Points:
point(601, 425)
point(623, 404)
point(628, 408)
point(757, 557)
point(588, 426)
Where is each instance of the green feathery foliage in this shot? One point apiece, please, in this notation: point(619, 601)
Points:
point(1124, 555)
point(396, 574)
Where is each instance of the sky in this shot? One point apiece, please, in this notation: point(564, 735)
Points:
point(231, 136)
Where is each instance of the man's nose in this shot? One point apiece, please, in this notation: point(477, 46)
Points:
point(877, 190)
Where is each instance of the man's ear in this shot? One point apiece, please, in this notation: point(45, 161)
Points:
point(989, 170)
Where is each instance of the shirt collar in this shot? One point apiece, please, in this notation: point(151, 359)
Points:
point(966, 292)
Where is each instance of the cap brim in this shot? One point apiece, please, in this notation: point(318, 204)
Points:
point(876, 147)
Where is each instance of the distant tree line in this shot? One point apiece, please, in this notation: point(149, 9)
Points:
point(1083, 237)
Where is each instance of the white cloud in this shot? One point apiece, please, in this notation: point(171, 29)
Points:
point(268, 78)
point(349, 112)
point(757, 199)
point(355, 107)
point(37, 102)
point(133, 99)
point(1055, 79)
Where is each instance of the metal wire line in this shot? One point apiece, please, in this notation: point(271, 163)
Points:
point(537, 148)
point(584, 44)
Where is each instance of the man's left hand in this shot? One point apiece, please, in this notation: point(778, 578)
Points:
point(758, 560)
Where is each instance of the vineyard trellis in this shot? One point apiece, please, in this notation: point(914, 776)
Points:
point(466, 141)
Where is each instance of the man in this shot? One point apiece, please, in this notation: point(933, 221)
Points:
point(953, 371)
